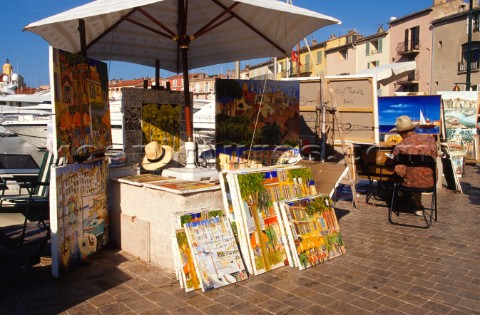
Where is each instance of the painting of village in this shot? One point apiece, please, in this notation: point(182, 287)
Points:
point(313, 230)
point(216, 255)
point(82, 113)
point(260, 229)
point(257, 122)
point(460, 110)
point(422, 109)
point(78, 213)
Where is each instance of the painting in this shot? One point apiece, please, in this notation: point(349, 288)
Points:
point(257, 122)
point(82, 112)
point(183, 256)
point(255, 192)
point(142, 178)
point(182, 186)
point(356, 101)
point(151, 114)
point(422, 109)
point(161, 123)
point(216, 255)
point(78, 213)
point(313, 230)
point(460, 110)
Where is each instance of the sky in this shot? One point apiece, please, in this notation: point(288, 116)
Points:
point(28, 52)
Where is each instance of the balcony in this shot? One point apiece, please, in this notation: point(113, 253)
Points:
point(305, 71)
point(408, 47)
point(462, 66)
point(412, 78)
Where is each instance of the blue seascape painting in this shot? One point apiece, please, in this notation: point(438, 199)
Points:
point(422, 109)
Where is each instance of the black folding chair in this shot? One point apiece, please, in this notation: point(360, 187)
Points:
point(415, 160)
point(35, 204)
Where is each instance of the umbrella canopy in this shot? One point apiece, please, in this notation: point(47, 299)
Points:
point(178, 35)
point(218, 31)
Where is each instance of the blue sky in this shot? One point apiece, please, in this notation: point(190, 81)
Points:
point(28, 53)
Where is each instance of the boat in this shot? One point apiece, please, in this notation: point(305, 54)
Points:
point(469, 112)
point(425, 123)
point(30, 122)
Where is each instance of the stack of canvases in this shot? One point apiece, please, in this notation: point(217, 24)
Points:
point(278, 219)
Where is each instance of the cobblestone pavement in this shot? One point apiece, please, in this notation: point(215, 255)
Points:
point(388, 269)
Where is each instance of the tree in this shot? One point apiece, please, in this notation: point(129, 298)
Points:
point(252, 192)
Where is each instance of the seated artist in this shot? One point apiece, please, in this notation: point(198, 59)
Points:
point(413, 143)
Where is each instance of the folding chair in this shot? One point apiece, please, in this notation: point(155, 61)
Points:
point(415, 160)
point(36, 202)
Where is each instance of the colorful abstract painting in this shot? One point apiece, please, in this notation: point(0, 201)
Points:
point(257, 122)
point(216, 255)
point(255, 193)
point(423, 109)
point(78, 213)
point(312, 229)
point(82, 112)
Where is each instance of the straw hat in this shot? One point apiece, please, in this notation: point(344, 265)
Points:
point(156, 156)
point(404, 123)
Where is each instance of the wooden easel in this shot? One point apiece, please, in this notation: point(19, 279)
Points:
point(349, 178)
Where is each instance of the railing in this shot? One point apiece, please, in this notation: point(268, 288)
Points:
point(462, 66)
point(408, 47)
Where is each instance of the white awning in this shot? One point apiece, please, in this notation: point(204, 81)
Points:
point(383, 72)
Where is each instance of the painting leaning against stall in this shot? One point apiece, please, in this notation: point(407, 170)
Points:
point(79, 213)
point(262, 230)
point(313, 230)
point(265, 112)
point(184, 263)
point(81, 108)
point(216, 255)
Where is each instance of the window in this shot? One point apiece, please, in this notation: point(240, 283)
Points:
point(440, 44)
point(374, 47)
point(319, 57)
point(475, 54)
point(307, 59)
point(373, 64)
point(415, 37)
point(343, 54)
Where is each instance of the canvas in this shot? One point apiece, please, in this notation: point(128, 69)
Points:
point(184, 264)
point(256, 123)
point(78, 213)
point(161, 123)
point(142, 178)
point(261, 233)
point(216, 255)
point(179, 186)
point(460, 110)
point(313, 230)
point(82, 112)
point(423, 109)
point(144, 120)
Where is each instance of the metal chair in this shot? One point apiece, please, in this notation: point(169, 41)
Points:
point(415, 160)
point(35, 204)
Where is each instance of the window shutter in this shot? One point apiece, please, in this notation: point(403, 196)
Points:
point(319, 57)
point(380, 44)
point(367, 49)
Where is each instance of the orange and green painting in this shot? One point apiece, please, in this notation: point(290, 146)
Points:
point(189, 274)
point(312, 229)
point(256, 122)
point(258, 190)
point(82, 111)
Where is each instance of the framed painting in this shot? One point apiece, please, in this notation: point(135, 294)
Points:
point(422, 109)
point(256, 122)
point(313, 230)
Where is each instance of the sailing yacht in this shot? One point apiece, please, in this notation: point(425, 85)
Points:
point(425, 123)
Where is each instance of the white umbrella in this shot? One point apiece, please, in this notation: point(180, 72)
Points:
point(387, 71)
point(180, 35)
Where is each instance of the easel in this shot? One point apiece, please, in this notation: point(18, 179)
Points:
point(349, 178)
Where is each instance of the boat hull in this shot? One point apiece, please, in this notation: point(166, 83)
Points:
point(35, 134)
